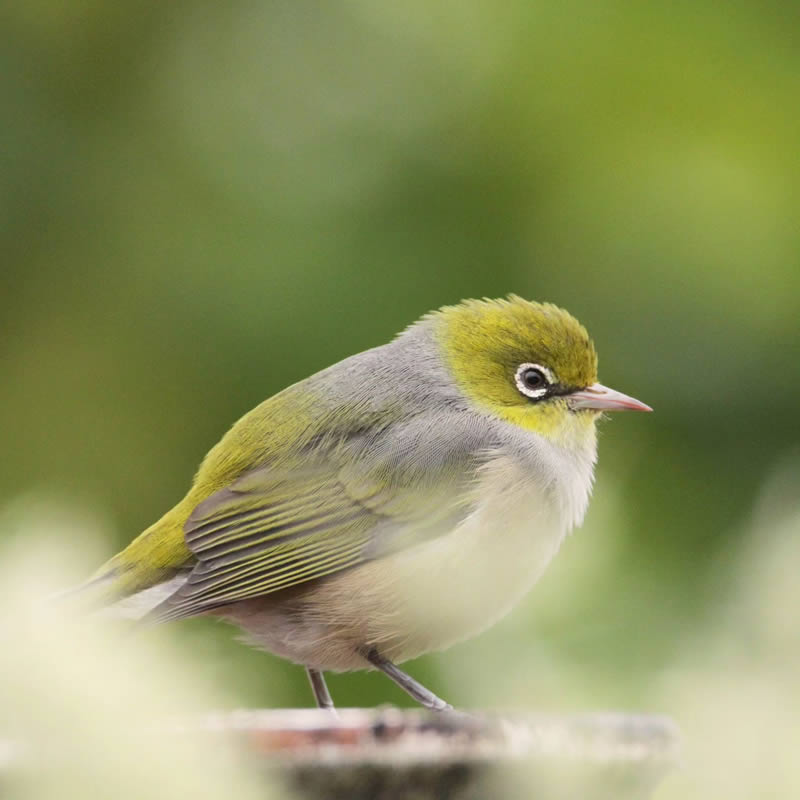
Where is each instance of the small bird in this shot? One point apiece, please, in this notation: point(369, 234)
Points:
point(395, 503)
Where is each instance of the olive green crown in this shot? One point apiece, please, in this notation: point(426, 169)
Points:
point(485, 341)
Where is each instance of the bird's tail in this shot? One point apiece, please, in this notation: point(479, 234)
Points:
point(83, 592)
point(139, 577)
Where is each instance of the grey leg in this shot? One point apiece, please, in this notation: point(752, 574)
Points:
point(422, 695)
point(320, 689)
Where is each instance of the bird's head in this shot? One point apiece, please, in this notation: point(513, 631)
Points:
point(531, 364)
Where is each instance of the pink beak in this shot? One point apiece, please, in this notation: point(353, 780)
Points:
point(601, 398)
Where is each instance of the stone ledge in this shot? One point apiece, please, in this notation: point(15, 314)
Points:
point(389, 753)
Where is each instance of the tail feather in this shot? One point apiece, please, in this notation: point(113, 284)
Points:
point(156, 560)
point(137, 606)
point(89, 593)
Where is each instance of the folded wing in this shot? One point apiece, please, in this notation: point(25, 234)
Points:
point(279, 526)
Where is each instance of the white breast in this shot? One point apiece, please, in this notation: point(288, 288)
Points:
point(456, 585)
point(446, 589)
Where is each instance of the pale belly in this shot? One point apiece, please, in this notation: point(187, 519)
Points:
point(425, 598)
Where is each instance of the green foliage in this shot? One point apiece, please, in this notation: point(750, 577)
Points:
point(203, 203)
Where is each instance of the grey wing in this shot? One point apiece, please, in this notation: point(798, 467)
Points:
point(328, 510)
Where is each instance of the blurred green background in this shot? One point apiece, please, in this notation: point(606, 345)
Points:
point(204, 202)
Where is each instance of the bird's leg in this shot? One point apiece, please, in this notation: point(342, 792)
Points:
point(320, 689)
point(423, 696)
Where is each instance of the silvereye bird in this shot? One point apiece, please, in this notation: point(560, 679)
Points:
point(397, 502)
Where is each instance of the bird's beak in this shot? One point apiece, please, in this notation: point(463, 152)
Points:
point(601, 398)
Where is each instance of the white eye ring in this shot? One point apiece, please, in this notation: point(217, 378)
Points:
point(539, 391)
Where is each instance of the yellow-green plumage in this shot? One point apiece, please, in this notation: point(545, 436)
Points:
point(256, 438)
point(484, 342)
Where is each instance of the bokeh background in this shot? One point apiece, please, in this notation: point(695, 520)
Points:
point(201, 203)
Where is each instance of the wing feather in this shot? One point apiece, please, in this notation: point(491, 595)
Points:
point(253, 538)
point(287, 523)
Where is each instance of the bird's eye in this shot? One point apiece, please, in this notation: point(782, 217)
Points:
point(533, 380)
